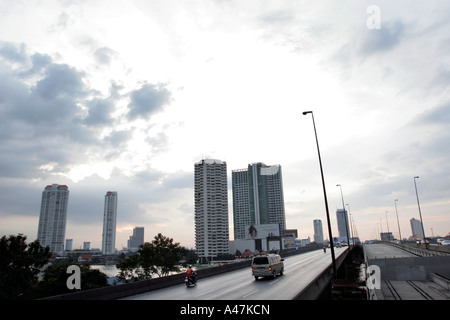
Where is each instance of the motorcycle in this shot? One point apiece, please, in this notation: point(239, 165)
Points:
point(190, 281)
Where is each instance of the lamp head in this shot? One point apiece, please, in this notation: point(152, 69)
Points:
point(306, 112)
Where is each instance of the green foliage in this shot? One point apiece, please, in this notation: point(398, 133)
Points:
point(20, 264)
point(191, 257)
point(161, 256)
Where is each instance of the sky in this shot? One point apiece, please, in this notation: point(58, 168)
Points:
point(127, 95)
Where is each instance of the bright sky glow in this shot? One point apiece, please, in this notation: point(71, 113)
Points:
point(127, 95)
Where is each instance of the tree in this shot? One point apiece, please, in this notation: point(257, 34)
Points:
point(20, 264)
point(161, 256)
point(191, 257)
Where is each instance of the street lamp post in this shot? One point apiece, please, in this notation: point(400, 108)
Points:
point(345, 216)
point(351, 224)
point(387, 223)
point(398, 223)
point(420, 213)
point(330, 235)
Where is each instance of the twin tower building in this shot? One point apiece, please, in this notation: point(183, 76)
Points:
point(53, 217)
point(258, 206)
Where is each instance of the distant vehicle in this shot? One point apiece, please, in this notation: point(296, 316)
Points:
point(267, 266)
point(439, 241)
point(445, 243)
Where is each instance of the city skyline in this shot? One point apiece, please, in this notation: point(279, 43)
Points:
point(108, 95)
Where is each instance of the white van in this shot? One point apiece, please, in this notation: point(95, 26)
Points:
point(267, 266)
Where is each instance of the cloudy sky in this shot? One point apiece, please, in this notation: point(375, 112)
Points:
point(127, 95)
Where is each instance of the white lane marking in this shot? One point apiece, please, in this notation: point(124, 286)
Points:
point(204, 293)
point(249, 294)
point(272, 282)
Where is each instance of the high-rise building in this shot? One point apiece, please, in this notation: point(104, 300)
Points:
point(416, 228)
point(342, 222)
point(318, 231)
point(53, 216)
point(211, 209)
point(109, 223)
point(69, 244)
point(136, 239)
point(257, 197)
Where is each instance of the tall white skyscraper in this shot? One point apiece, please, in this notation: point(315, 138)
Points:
point(53, 216)
point(318, 231)
point(211, 209)
point(109, 223)
point(257, 197)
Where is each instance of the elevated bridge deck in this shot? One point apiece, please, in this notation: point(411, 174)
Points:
point(407, 274)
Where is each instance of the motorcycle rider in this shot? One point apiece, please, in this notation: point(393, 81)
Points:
point(190, 274)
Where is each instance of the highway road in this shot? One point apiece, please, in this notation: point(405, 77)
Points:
point(383, 250)
point(300, 270)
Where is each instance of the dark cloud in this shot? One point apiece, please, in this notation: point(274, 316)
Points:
point(99, 112)
point(61, 80)
point(104, 55)
point(148, 100)
point(439, 115)
point(13, 52)
point(386, 38)
point(51, 120)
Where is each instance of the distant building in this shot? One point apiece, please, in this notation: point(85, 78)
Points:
point(86, 245)
point(211, 209)
point(137, 239)
point(342, 222)
point(109, 223)
point(386, 236)
point(318, 231)
point(53, 217)
point(290, 236)
point(416, 228)
point(69, 244)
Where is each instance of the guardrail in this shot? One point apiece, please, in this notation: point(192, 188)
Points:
point(313, 290)
point(419, 251)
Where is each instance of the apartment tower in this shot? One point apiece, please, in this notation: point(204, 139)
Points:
point(342, 222)
point(53, 216)
point(136, 240)
point(318, 231)
point(211, 209)
point(109, 223)
point(257, 197)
